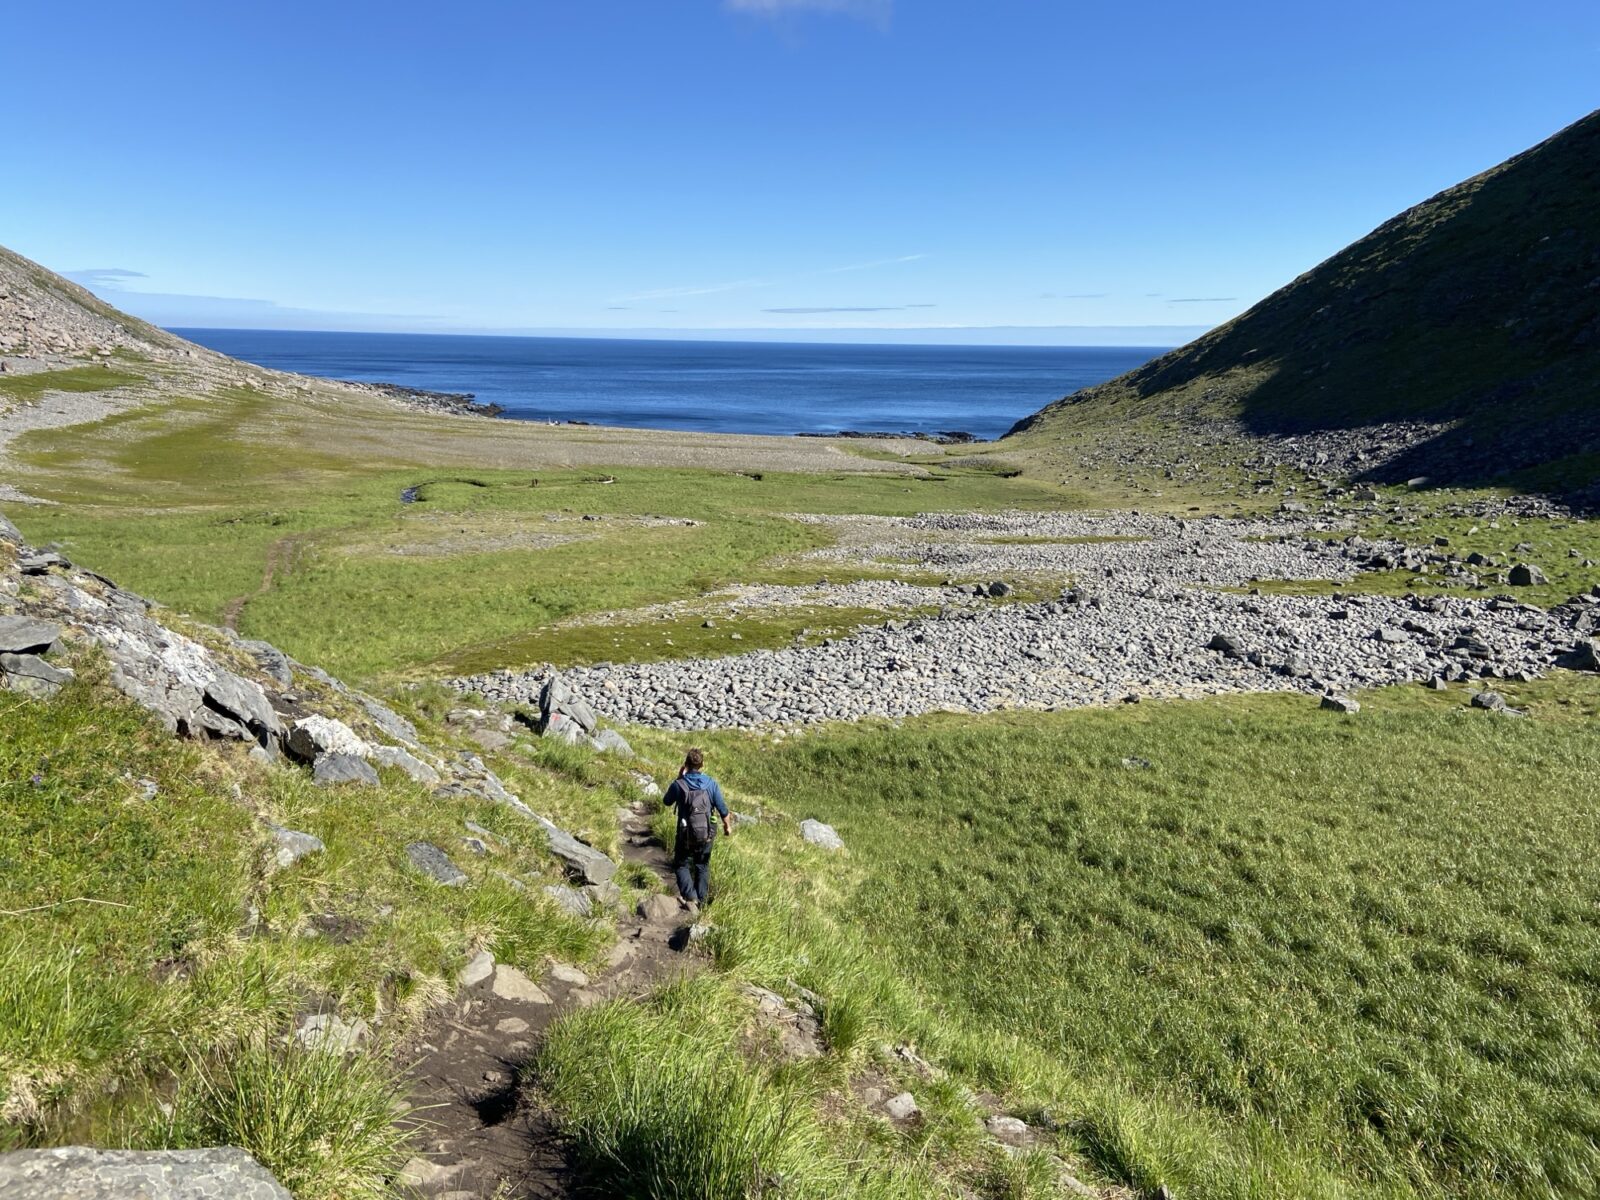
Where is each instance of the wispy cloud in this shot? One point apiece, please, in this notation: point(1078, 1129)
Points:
point(103, 277)
point(867, 266)
point(1073, 295)
point(878, 11)
point(1202, 300)
point(851, 308)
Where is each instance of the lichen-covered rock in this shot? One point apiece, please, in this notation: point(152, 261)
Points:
point(27, 635)
point(581, 860)
point(293, 845)
point(403, 760)
point(31, 674)
point(84, 1173)
point(316, 735)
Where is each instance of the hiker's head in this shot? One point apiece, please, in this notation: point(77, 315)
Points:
point(694, 760)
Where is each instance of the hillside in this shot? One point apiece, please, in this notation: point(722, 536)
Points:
point(41, 313)
point(1476, 312)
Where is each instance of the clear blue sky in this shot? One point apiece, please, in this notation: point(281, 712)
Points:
point(752, 164)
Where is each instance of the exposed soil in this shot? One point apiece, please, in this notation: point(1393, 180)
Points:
point(280, 559)
point(481, 1136)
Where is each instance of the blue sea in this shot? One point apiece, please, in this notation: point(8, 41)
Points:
point(732, 387)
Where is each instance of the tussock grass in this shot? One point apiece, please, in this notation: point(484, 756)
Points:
point(321, 1123)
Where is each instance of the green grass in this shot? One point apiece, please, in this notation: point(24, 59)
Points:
point(127, 948)
point(322, 1124)
point(1300, 955)
point(179, 502)
point(70, 379)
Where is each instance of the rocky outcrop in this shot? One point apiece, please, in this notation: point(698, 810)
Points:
point(203, 682)
point(43, 314)
point(82, 1173)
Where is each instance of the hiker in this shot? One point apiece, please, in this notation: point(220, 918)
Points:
point(699, 802)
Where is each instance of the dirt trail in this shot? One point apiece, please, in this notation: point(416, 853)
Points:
point(481, 1137)
point(280, 558)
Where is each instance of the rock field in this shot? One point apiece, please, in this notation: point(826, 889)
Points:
point(1144, 619)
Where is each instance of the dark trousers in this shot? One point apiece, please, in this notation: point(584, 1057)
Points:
point(693, 867)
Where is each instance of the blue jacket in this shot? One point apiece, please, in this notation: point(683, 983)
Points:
point(678, 792)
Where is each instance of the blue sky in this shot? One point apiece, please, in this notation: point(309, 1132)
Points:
point(1022, 170)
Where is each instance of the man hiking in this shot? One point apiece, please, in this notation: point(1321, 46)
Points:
point(699, 802)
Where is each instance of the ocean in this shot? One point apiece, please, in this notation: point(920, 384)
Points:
point(731, 387)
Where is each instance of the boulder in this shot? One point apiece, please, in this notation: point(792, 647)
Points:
point(31, 674)
point(435, 864)
point(274, 663)
point(609, 741)
point(582, 860)
point(337, 770)
point(557, 697)
point(9, 533)
point(25, 635)
point(564, 729)
point(818, 834)
point(1338, 703)
point(1491, 701)
point(85, 1173)
point(316, 735)
point(293, 845)
point(1584, 656)
point(389, 721)
point(1526, 575)
point(657, 907)
point(1227, 646)
point(999, 588)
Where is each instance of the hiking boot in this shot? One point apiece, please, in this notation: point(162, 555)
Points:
point(692, 908)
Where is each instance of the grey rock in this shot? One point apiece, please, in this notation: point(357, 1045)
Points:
point(581, 860)
point(1584, 656)
point(564, 729)
point(603, 895)
point(26, 635)
point(818, 834)
point(336, 770)
point(9, 532)
point(31, 674)
point(38, 564)
point(569, 898)
point(511, 984)
point(277, 665)
point(331, 1032)
point(999, 588)
point(403, 760)
point(316, 735)
point(435, 864)
point(1491, 701)
point(557, 697)
point(389, 721)
point(244, 701)
point(1338, 703)
point(293, 845)
point(609, 741)
point(902, 1107)
point(1010, 1130)
point(85, 1173)
point(477, 970)
point(1526, 575)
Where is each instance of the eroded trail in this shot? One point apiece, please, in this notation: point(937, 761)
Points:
point(481, 1137)
point(280, 560)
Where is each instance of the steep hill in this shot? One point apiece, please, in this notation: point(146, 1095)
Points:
point(1477, 310)
point(41, 313)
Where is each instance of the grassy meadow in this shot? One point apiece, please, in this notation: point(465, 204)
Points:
point(1296, 954)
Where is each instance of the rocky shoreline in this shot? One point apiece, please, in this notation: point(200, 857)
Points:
point(457, 403)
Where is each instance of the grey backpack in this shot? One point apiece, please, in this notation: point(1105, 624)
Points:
point(695, 816)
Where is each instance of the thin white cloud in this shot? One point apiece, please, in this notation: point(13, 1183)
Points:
point(867, 266)
point(868, 10)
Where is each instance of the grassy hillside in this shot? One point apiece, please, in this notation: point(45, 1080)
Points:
point(1369, 971)
point(1480, 306)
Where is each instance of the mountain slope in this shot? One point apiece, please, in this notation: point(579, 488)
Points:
point(41, 313)
point(1478, 308)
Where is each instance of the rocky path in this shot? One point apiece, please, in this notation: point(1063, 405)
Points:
point(480, 1137)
